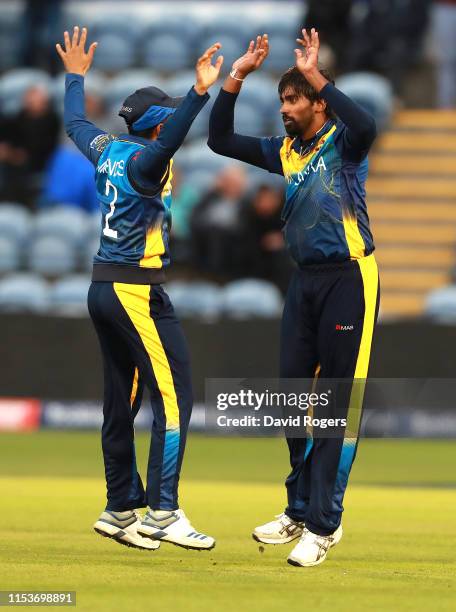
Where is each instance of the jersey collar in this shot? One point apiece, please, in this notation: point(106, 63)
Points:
point(299, 143)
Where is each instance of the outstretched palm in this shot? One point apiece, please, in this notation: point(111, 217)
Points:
point(307, 59)
point(206, 72)
point(74, 58)
point(254, 56)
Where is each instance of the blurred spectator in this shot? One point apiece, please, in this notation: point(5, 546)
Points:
point(444, 34)
point(387, 37)
point(185, 198)
point(97, 112)
point(70, 181)
point(266, 256)
point(41, 29)
point(27, 140)
point(216, 224)
point(332, 20)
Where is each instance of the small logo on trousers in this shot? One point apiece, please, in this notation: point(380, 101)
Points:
point(340, 327)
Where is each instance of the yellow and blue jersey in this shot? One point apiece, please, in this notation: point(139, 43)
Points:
point(325, 215)
point(135, 224)
point(133, 183)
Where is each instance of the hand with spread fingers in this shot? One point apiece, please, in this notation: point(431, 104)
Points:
point(307, 58)
point(255, 55)
point(74, 58)
point(206, 72)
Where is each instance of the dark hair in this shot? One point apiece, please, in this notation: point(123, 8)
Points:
point(141, 133)
point(296, 81)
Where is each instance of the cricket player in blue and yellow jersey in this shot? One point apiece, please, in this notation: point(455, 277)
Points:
point(141, 340)
point(332, 301)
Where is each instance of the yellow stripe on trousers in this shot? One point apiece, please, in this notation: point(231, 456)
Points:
point(369, 273)
point(134, 388)
point(135, 300)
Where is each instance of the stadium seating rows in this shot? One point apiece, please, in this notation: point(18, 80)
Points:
point(257, 111)
point(27, 292)
point(58, 242)
point(52, 242)
point(127, 40)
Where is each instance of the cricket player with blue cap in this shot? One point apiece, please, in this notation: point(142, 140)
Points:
point(141, 340)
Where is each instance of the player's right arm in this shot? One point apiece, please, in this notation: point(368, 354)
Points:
point(261, 152)
point(87, 136)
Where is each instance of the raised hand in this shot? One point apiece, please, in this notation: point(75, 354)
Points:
point(255, 55)
point(74, 58)
point(206, 72)
point(307, 59)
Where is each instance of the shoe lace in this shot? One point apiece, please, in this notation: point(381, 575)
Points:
point(323, 542)
point(285, 520)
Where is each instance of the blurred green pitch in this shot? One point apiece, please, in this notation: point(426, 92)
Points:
point(398, 552)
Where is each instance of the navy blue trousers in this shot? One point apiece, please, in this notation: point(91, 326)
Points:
point(142, 345)
point(327, 327)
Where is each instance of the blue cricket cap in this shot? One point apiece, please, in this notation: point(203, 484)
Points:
point(148, 107)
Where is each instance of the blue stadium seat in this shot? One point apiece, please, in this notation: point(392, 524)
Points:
point(125, 83)
point(52, 256)
point(89, 251)
point(233, 45)
point(167, 52)
point(260, 90)
point(441, 305)
point(10, 254)
point(230, 26)
point(180, 83)
point(94, 226)
point(281, 54)
point(65, 222)
point(371, 91)
point(249, 119)
point(114, 53)
point(14, 84)
point(10, 39)
point(69, 295)
point(23, 292)
point(251, 297)
point(195, 299)
point(94, 82)
point(15, 221)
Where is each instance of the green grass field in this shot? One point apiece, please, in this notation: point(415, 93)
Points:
point(398, 551)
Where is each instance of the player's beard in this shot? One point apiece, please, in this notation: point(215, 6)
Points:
point(292, 128)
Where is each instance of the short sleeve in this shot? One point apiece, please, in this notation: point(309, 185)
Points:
point(271, 151)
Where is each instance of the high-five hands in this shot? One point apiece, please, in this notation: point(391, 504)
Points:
point(252, 59)
point(307, 58)
point(74, 58)
point(206, 72)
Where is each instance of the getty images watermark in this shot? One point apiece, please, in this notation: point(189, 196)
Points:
point(346, 408)
point(261, 403)
point(264, 407)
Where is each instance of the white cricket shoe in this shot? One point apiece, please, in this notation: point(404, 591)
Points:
point(312, 548)
point(282, 530)
point(174, 527)
point(123, 528)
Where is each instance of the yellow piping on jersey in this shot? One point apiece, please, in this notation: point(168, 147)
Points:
point(154, 246)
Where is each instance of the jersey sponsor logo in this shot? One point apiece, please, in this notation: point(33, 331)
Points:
point(113, 168)
point(299, 177)
point(340, 327)
point(100, 142)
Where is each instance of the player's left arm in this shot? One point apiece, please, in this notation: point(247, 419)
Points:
point(361, 129)
point(88, 137)
point(148, 167)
